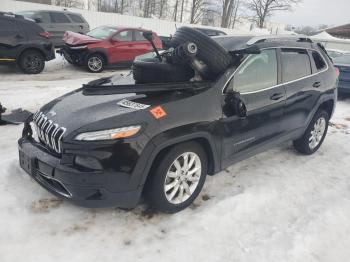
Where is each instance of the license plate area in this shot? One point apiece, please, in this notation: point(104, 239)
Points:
point(26, 162)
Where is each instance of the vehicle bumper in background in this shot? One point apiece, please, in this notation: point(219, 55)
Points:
point(88, 189)
point(344, 87)
point(49, 52)
point(74, 56)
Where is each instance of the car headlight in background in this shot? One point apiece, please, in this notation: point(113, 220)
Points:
point(110, 134)
point(78, 47)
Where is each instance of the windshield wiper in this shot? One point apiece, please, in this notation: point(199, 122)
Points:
point(99, 82)
point(144, 88)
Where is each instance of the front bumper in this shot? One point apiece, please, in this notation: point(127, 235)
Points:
point(74, 56)
point(49, 52)
point(88, 189)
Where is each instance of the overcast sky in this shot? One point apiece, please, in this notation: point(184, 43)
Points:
point(316, 12)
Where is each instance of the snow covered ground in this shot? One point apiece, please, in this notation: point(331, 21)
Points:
point(277, 206)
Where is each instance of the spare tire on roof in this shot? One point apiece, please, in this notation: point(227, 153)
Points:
point(215, 56)
point(157, 72)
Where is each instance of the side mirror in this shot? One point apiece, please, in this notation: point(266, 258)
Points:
point(148, 35)
point(234, 105)
point(38, 20)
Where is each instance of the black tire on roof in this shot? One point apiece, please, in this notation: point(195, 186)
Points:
point(156, 72)
point(215, 56)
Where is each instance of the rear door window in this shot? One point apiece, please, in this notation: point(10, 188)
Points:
point(258, 72)
point(59, 18)
point(8, 27)
point(139, 36)
point(295, 64)
point(76, 18)
point(124, 36)
point(319, 61)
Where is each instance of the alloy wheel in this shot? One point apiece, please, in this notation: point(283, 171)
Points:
point(182, 177)
point(32, 62)
point(95, 64)
point(317, 132)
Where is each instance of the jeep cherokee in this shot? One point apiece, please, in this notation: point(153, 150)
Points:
point(112, 140)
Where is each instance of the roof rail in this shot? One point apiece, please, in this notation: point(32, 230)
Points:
point(298, 38)
point(10, 14)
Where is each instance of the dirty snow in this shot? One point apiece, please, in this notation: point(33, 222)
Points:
point(277, 206)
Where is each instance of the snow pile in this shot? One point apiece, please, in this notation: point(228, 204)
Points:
point(277, 206)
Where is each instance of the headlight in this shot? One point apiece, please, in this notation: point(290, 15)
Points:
point(78, 47)
point(109, 134)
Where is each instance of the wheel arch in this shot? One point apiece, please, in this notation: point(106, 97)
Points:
point(29, 48)
point(203, 139)
point(328, 106)
point(99, 51)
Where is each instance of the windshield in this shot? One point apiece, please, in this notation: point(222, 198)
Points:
point(344, 59)
point(102, 32)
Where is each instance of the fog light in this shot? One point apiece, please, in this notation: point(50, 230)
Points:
point(88, 162)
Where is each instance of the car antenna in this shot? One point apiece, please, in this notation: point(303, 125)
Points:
point(149, 36)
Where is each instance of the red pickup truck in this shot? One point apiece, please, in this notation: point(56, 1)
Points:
point(106, 46)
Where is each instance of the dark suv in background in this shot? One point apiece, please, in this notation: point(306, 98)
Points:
point(24, 43)
point(58, 22)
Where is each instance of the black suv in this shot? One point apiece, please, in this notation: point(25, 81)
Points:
point(110, 142)
point(24, 43)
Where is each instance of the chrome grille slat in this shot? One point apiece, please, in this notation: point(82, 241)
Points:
point(49, 133)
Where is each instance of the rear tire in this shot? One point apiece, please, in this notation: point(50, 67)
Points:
point(314, 135)
point(95, 63)
point(31, 62)
point(156, 72)
point(215, 56)
point(174, 185)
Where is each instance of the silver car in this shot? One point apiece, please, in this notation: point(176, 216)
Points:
point(58, 22)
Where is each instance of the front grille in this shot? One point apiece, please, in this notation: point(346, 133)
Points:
point(49, 133)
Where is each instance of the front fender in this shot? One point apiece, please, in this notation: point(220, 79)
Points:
point(167, 139)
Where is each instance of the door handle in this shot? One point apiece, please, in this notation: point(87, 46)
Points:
point(317, 84)
point(18, 36)
point(276, 96)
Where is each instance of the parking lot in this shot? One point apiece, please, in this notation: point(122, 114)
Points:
point(276, 206)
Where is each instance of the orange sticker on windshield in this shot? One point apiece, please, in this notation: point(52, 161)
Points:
point(158, 112)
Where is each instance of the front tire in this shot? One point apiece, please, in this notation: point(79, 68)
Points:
point(178, 178)
point(31, 62)
point(95, 63)
point(314, 135)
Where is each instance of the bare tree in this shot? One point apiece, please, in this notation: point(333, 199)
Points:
point(69, 3)
point(265, 8)
point(197, 10)
point(182, 10)
point(162, 6)
point(175, 10)
point(229, 12)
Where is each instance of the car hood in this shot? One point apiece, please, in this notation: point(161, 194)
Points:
point(72, 38)
point(78, 112)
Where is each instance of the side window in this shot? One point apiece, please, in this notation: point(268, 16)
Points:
point(139, 36)
point(8, 27)
point(59, 18)
point(44, 17)
point(76, 18)
point(319, 61)
point(257, 72)
point(295, 64)
point(123, 36)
